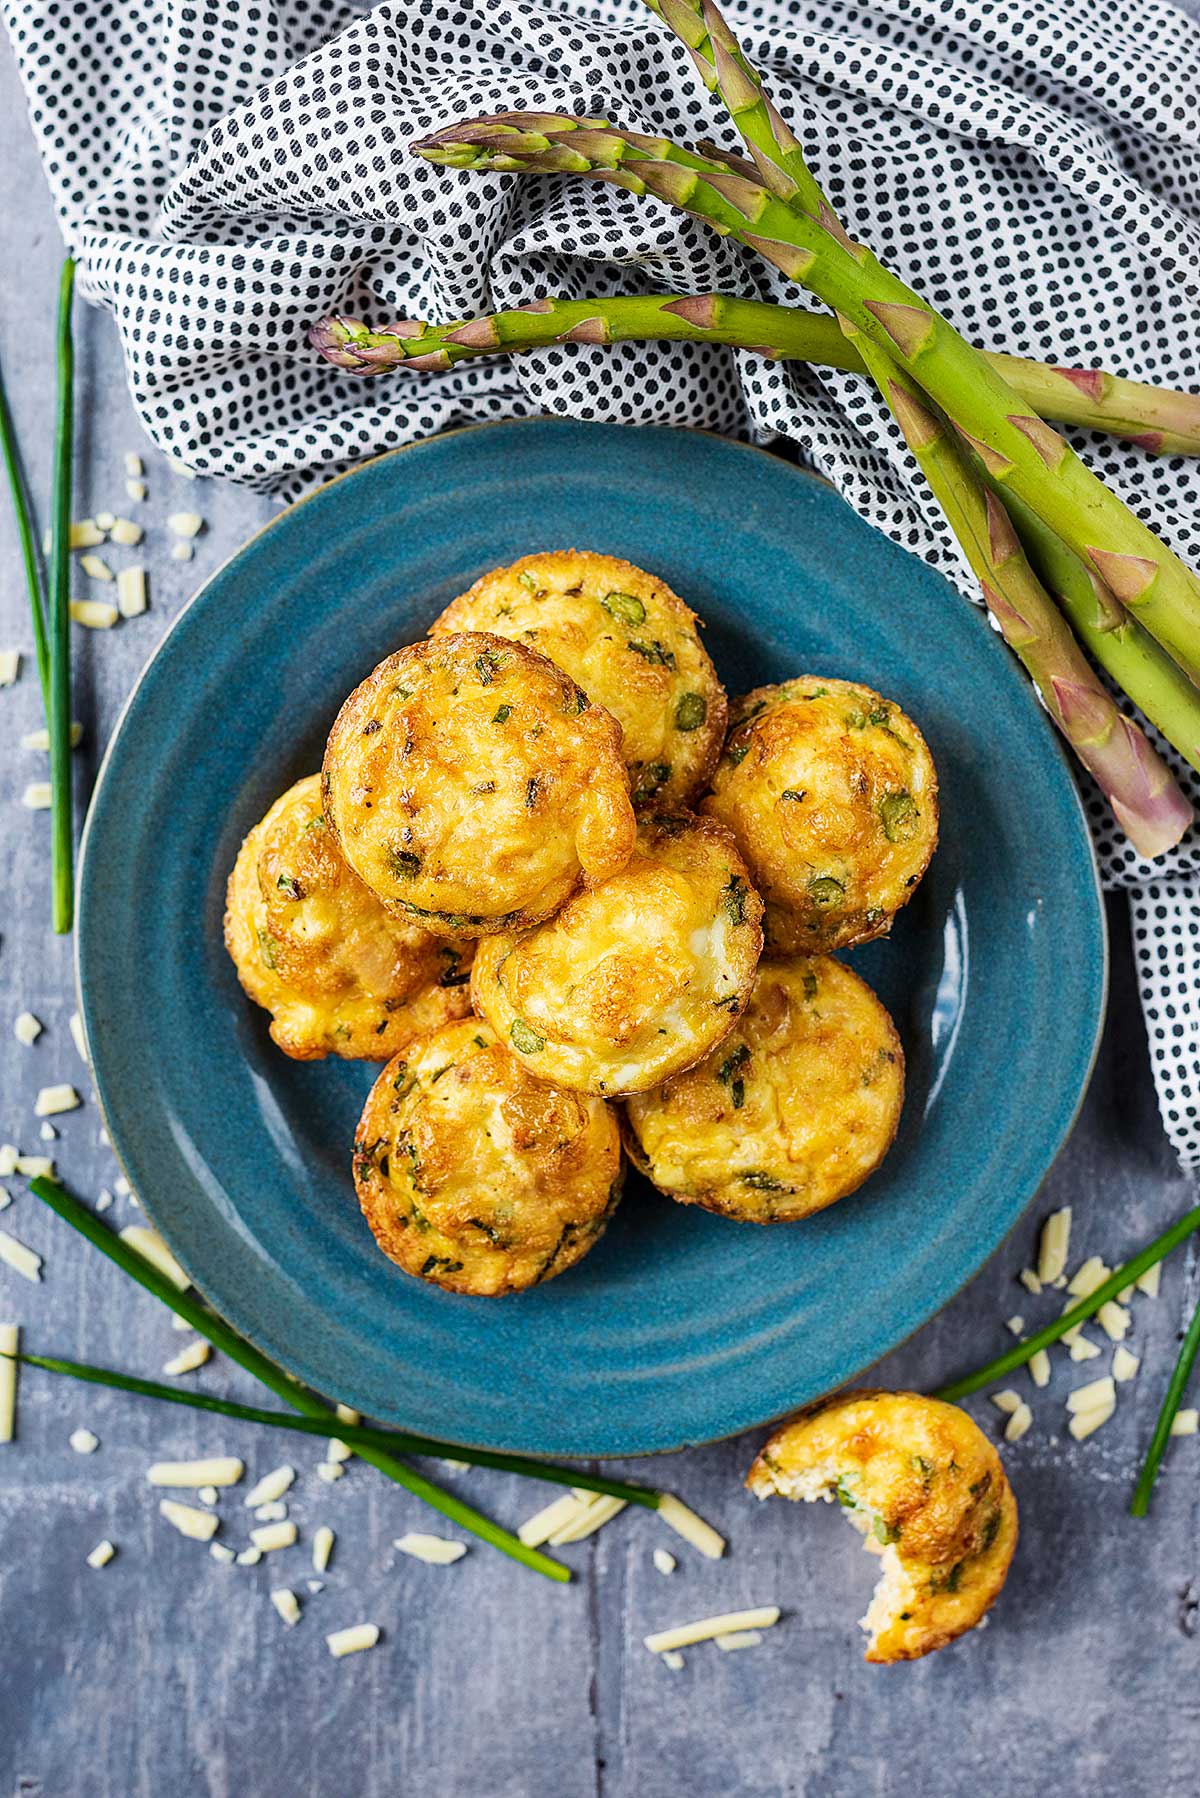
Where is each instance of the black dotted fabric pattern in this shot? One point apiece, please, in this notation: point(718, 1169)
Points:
point(227, 172)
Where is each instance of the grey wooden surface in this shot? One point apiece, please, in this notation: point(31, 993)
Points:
point(167, 1675)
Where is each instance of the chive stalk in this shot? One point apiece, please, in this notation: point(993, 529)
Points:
point(1166, 1417)
point(58, 698)
point(27, 539)
point(1121, 1277)
point(222, 1337)
point(355, 1436)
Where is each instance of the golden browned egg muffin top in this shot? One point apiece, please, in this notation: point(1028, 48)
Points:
point(629, 642)
point(794, 1109)
point(338, 973)
point(472, 785)
point(477, 1177)
point(926, 1488)
point(831, 793)
point(635, 977)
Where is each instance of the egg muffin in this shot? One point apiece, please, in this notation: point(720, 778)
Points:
point(831, 794)
point(926, 1488)
point(472, 785)
point(476, 1177)
point(637, 977)
point(315, 948)
point(629, 642)
point(794, 1109)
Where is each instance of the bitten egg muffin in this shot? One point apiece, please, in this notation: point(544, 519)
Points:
point(630, 643)
point(831, 793)
point(472, 784)
point(476, 1177)
point(636, 977)
point(926, 1488)
point(315, 948)
point(794, 1109)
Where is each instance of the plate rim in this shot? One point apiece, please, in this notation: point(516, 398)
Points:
point(756, 450)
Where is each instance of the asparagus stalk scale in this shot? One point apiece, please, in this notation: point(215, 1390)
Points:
point(1161, 422)
point(1016, 448)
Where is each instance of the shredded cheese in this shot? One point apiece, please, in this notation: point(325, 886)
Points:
point(208, 1495)
point(672, 1659)
point(37, 796)
point(249, 1557)
point(1016, 1325)
point(10, 666)
point(185, 524)
point(40, 739)
point(337, 1450)
point(352, 1641)
point(1019, 1423)
point(286, 1604)
point(330, 1471)
point(322, 1548)
point(739, 1638)
point(219, 1470)
point(664, 1560)
point(1007, 1401)
point(93, 614)
point(1053, 1246)
point(84, 533)
point(706, 1628)
point(1124, 1364)
point(594, 1515)
point(181, 468)
point(189, 1520)
point(131, 592)
point(1114, 1320)
point(105, 521)
point(151, 1246)
point(23, 1261)
point(272, 1486)
point(1094, 1394)
point(1150, 1281)
point(101, 1555)
point(181, 552)
point(1082, 1348)
point(1030, 1281)
point(1039, 1368)
point(9, 1156)
point(190, 1358)
point(133, 463)
point(219, 1552)
point(347, 1414)
point(1086, 1423)
point(35, 1167)
point(275, 1512)
point(10, 1344)
point(541, 1526)
point(435, 1551)
point(48, 1133)
point(135, 489)
point(27, 1028)
point(1092, 1273)
point(1185, 1423)
point(96, 567)
point(126, 532)
point(677, 1516)
point(274, 1535)
point(84, 1442)
point(52, 1100)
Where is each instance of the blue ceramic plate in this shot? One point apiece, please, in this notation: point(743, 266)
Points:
point(679, 1327)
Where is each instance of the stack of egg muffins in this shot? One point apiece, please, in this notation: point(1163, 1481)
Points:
point(582, 906)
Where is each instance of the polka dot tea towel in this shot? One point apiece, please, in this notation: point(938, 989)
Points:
point(228, 172)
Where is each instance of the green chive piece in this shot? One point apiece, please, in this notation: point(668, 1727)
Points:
point(222, 1337)
point(1108, 1289)
point(1180, 1375)
point(625, 606)
point(525, 1040)
point(27, 538)
point(691, 711)
point(58, 704)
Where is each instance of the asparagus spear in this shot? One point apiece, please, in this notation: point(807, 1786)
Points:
point(1145, 798)
point(1162, 422)
point(1015, 447)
